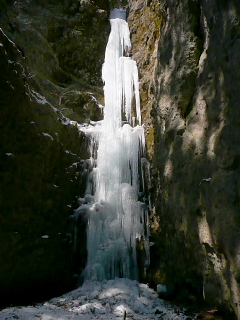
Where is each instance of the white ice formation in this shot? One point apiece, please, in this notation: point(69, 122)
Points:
point(117, 221)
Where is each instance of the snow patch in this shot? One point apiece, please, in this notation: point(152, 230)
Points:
point(47, 135)
point(95, 100)
point(65, 121)
point(205, 180)
point(69, 152)
point(103, 300)
point(8, 38)
point(38, 97)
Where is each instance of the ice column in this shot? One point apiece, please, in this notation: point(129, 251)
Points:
point(117, 220)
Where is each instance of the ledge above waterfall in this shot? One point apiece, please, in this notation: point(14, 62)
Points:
point(118, 13)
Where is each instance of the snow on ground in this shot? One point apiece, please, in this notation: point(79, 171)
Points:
point(112, 299)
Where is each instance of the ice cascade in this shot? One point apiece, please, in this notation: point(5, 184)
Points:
point(117, 220)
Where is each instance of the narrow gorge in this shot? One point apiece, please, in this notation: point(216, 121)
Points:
point(188, 58)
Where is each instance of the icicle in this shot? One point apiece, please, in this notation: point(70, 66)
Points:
point(116, 219)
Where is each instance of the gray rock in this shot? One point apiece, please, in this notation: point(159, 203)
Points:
point(188, 58)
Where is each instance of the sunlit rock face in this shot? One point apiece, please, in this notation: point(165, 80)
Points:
point(189, 78)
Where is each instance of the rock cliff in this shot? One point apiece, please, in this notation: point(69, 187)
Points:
point(188, 55)
point(51, 56)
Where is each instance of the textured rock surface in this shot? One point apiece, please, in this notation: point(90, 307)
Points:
point(49, 71)
point(191, 85)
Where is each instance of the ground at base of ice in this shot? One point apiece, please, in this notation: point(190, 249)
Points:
point(113, 299)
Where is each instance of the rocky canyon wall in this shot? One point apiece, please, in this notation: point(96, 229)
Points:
point(188, 53)
point(51, 55)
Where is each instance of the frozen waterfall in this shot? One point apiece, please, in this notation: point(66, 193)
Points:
point(117, 220)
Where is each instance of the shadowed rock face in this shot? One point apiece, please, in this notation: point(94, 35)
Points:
point(52, 69)
point(188, 57)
